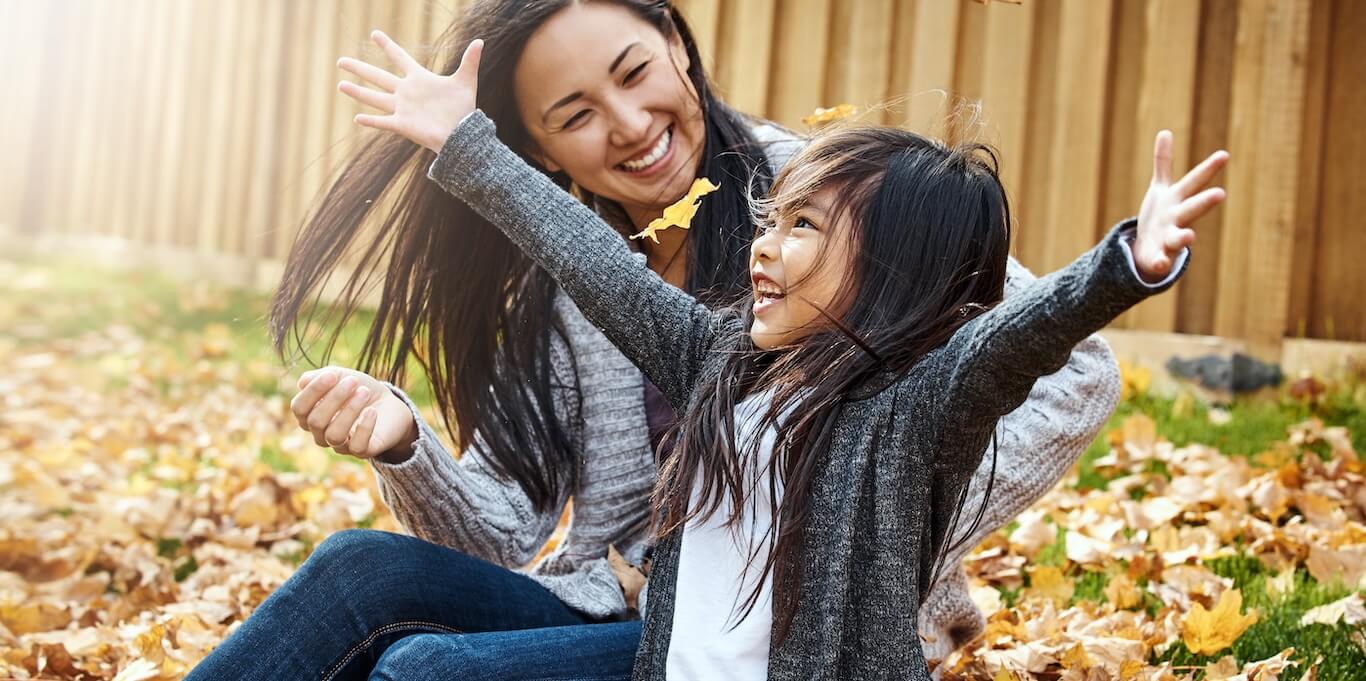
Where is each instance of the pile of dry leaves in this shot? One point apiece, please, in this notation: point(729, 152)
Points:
point(153, 494)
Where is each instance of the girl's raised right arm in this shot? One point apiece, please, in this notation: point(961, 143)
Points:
point(661, 329)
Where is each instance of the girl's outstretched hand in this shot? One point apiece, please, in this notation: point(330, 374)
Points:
point(1170, 207)
point(415, 103)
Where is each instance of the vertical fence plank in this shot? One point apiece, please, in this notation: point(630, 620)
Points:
point(1214, 83)
point(172, 130)
point(295, 91)
point(857, 71)
point(704, 17)
point(1067, 194)
point(51, 135)
point(1339, 276)
point(745, 47)
point(800, 46)
point(925, 41)
point(224, 104)
point(995, 70)
point(265, 189)
point(1166, 100)
point(1254, 298)
point(1308, 207)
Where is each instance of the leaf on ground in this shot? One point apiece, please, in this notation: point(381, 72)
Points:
point(1209, 631)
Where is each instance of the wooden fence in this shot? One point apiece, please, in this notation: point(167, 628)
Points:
point(196, 133)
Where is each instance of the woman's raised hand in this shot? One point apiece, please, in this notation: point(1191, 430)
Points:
point(415, 103)
point(352, 413)
point(1170, 207)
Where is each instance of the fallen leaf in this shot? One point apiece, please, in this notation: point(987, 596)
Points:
point(834, 113)
point(1208, 631)
point(1349, 610)
point(681, 213)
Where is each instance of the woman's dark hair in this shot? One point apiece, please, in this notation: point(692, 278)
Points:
point(931, 237)
point(456, 295)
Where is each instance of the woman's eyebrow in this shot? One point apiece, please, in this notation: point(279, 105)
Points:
point(569, 99)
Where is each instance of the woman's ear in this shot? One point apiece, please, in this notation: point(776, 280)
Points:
point(544, 161)
point(679, 53)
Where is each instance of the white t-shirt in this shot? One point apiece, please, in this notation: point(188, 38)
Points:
point(706, 643)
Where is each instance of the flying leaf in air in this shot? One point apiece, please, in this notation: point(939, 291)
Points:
point(681, 213)
point(834, 113)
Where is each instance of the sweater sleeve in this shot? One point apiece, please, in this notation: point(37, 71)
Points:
point(995, 360)
point(464, 504)
point(1039, 442)
point(662, 330)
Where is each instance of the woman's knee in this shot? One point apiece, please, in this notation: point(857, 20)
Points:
point(424, 656)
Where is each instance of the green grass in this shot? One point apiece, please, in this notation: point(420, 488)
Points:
point(1255, 425)
point(186, 322)
point(1278, 625)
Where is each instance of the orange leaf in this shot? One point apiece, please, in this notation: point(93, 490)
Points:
point(681, 213)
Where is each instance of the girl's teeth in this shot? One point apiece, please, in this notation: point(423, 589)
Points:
point(655, 154)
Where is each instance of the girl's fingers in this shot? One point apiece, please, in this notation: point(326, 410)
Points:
point(369, 73)
point(339, 430)
point(400, 57)
point(308, 397)
point(360, 444)
point(1162, 157)
point(371, 98)
point(1200, 175)
point(1195, 207)
point(1178, 239)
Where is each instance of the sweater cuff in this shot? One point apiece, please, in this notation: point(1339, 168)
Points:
point(428, 452)
point(1128, 235)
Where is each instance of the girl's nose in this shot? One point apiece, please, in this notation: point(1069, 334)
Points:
point(765, 247)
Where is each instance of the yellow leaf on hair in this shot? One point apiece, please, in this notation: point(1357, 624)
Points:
point(1210, 631)
point(681, 213)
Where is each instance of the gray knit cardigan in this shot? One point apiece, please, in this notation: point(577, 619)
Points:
point(462, 504)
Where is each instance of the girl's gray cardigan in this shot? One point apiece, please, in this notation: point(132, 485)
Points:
point(462, 504)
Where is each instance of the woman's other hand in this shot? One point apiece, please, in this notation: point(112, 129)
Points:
point(1170, 207)
point(353, 413)
point(414, 102)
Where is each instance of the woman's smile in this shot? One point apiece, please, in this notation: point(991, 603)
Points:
point(654, 159)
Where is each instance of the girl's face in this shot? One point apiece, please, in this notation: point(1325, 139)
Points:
point(605, 98)
point(798, 267)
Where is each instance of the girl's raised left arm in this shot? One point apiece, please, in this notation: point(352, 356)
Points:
point(661, 329)
point(998, 356)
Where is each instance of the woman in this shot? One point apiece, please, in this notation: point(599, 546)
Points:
point(608, 98)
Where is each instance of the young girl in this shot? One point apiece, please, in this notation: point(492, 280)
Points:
point(831, 422)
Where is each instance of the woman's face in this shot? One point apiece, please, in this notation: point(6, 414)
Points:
point(606, 99)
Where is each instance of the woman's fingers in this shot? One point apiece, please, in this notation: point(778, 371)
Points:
point(308, 397)
point(386, 123)
point(371, 98)
point(1195, 207)
point(403, 61)
point(1162, 157)
point(369, 73)
point(326, 409)
point(359, 444)
point(339, 430)
point(1200, 175)
point(468, 72)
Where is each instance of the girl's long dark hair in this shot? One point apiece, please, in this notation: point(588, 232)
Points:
point(932, 234)
point(456, 295)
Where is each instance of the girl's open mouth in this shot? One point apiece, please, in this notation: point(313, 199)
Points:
point(655, 159)
point(766, 294)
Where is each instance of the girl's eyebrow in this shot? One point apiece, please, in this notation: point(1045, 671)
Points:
point(571, 97)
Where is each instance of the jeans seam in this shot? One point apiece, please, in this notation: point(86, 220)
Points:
point(386, 629)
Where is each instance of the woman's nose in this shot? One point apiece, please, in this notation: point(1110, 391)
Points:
point(630, 124)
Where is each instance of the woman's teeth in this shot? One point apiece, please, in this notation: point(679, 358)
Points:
point(767, 290)
point(661, 147)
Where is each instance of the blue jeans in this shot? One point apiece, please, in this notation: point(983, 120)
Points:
point(377, 605)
